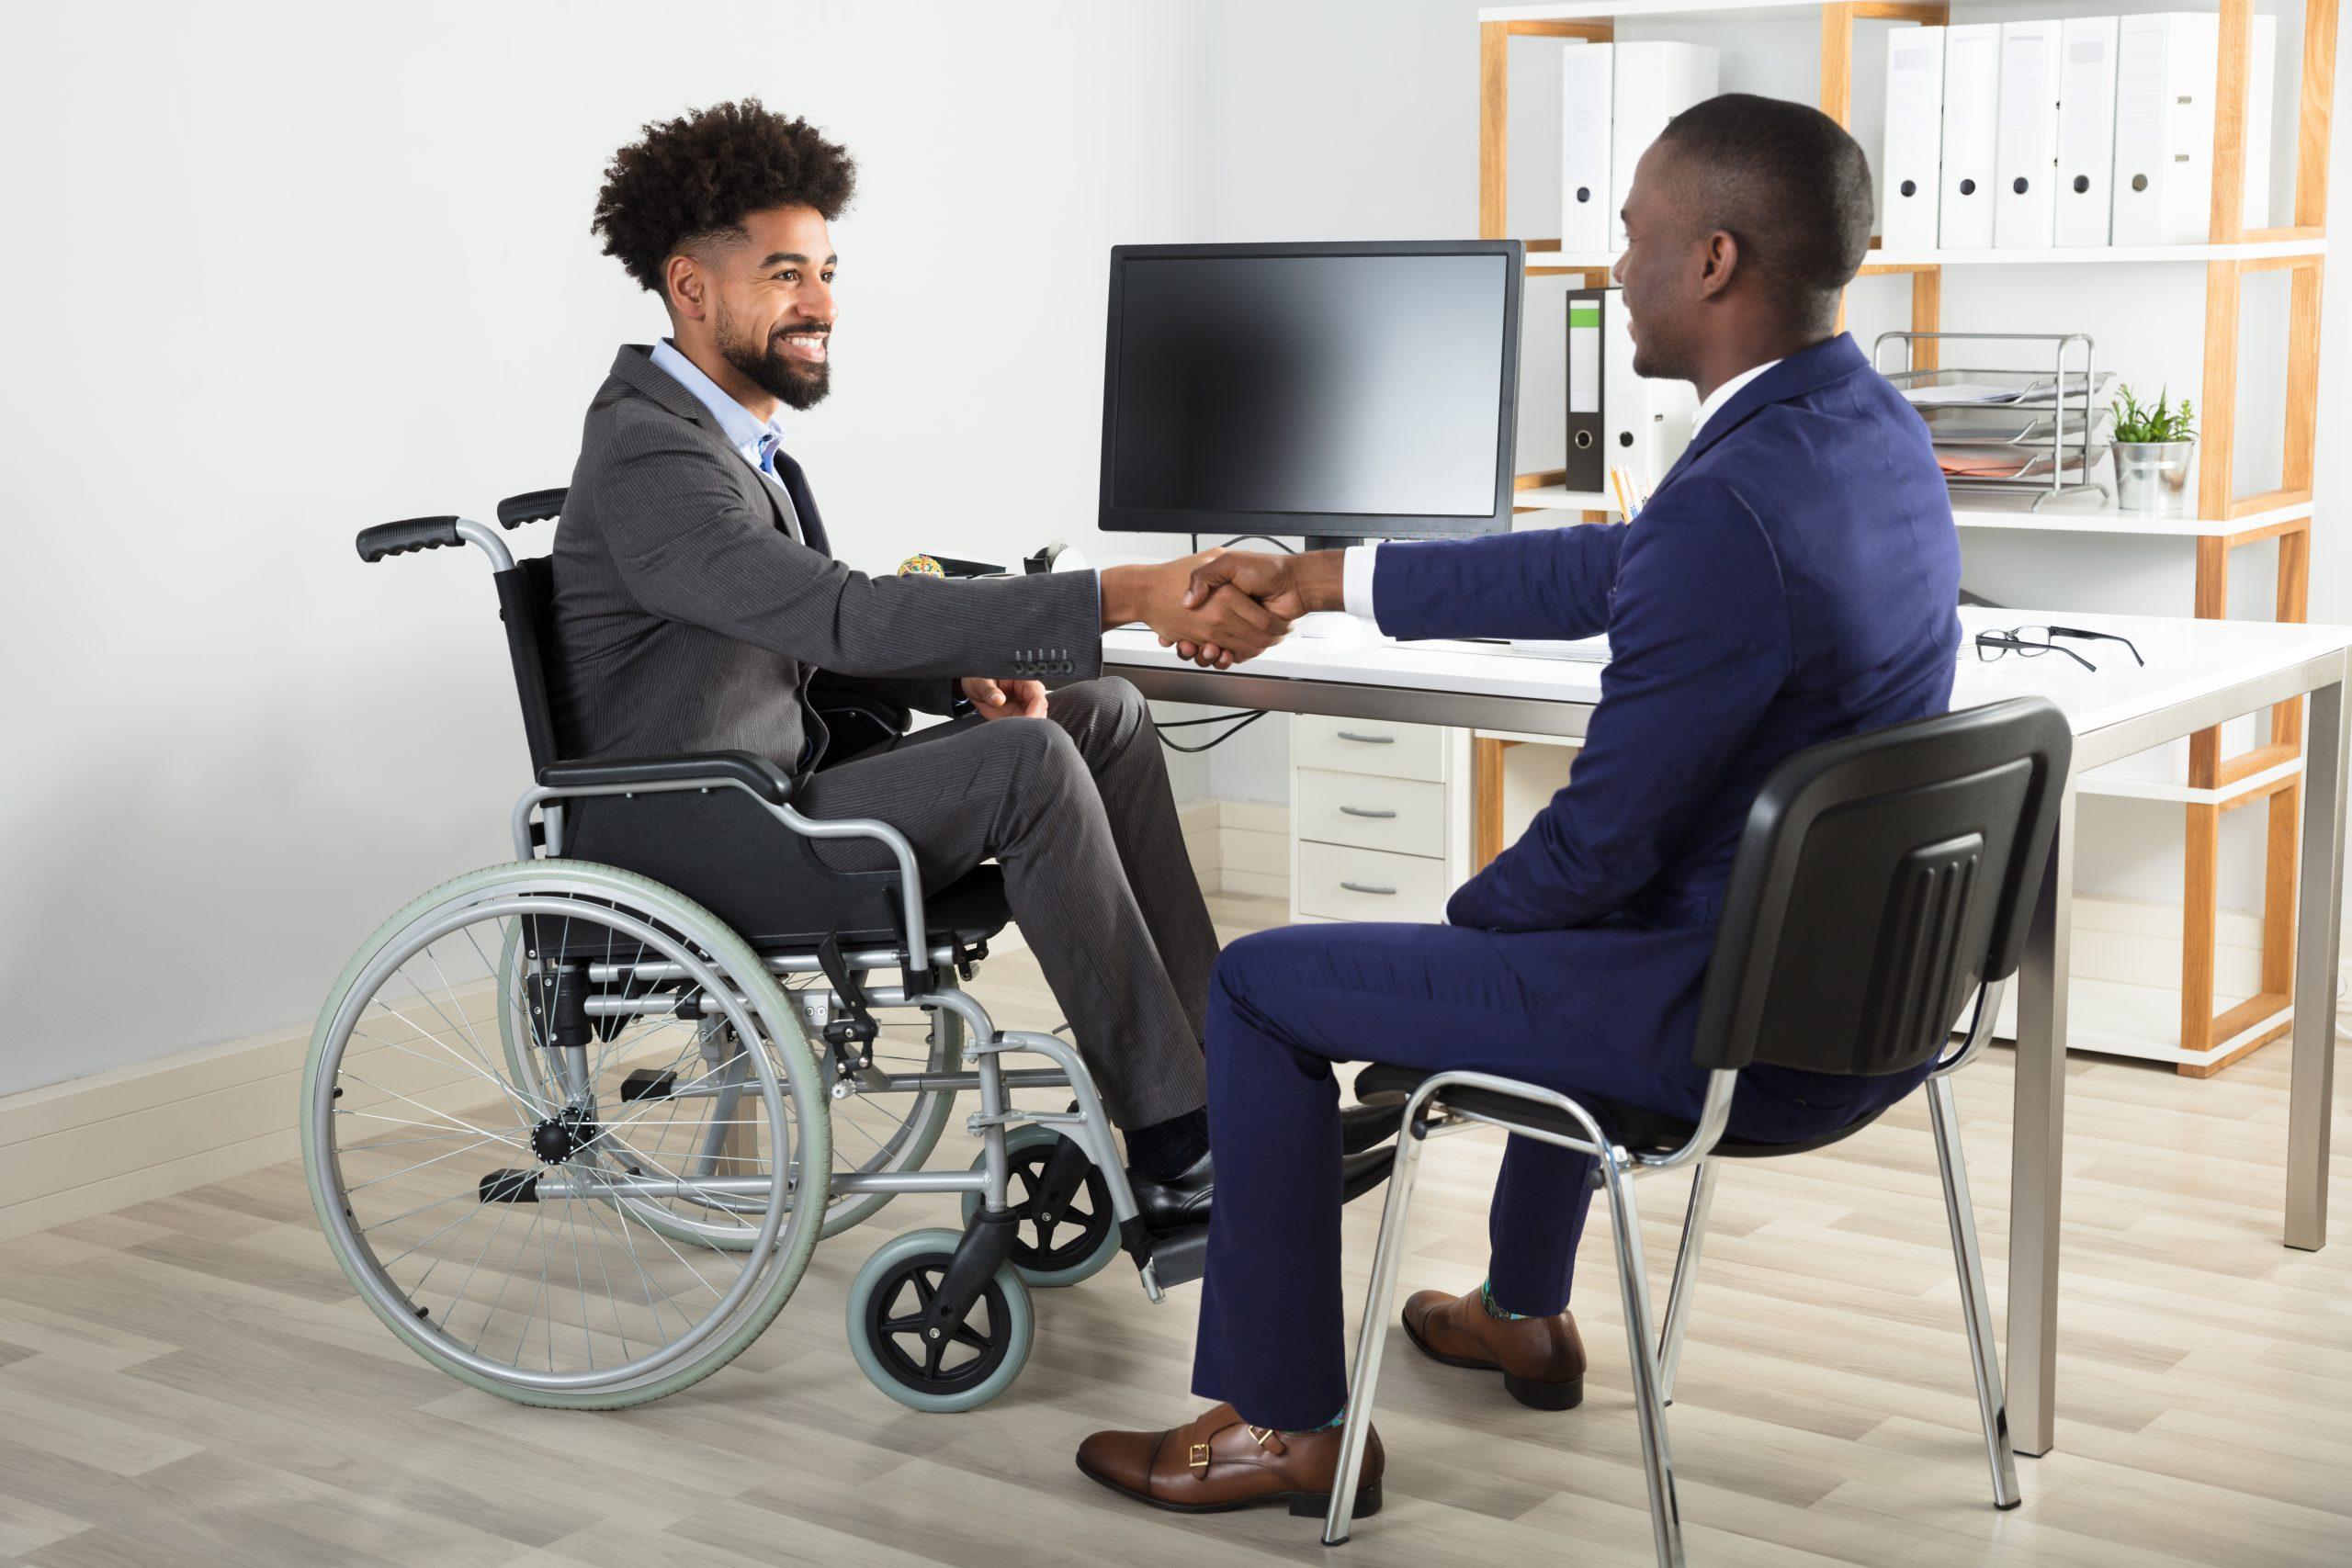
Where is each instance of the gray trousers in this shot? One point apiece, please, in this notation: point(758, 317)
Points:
point(1076, 808)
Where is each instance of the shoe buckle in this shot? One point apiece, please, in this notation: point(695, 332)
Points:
point(1198, 1459)
point(1264, 1437)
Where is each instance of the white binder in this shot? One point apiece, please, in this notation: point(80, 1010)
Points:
point(2165, 67)
point(1972, 135)
point(1655, 82)
point(1915, 116)
point(2086, 131)
point(1645, 424)
point(1587, 217)
point(2026, 150)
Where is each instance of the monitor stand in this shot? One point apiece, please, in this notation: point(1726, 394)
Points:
point(1330, 542)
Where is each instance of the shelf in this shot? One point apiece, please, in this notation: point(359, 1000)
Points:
point(2059, 517)
point(1559, 498)
point(2108, 782)
point(1603, 10)
point(2073, 255)
point(2072, 517)
point(2111, 1018)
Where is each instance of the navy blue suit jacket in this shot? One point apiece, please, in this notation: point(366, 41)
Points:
point(1794, 580)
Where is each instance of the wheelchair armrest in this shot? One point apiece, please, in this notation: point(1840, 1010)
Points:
point(761, 776)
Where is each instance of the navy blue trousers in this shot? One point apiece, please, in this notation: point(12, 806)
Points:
point(1605, 1011)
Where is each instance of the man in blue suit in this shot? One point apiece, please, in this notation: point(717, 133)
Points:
point(1792, 581)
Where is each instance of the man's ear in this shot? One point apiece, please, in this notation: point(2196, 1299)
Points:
point(1721, 262)
point(685, 287)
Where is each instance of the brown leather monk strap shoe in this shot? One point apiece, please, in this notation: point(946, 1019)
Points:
point(1541, 1359)
point(1220, 1462)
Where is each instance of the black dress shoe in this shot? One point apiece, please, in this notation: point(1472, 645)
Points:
point(1179, 1201)
point(1365, 1127)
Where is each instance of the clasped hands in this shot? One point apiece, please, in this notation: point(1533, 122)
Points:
point(1220, 607)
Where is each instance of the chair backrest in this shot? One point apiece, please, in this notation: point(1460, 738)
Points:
point(526, 604)
point(1880, 880)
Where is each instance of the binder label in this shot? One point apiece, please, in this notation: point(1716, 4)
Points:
point(1584, 357)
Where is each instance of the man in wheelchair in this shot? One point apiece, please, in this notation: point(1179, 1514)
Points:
point(698, 607)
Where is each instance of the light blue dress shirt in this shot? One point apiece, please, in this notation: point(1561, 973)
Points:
point(758, 442)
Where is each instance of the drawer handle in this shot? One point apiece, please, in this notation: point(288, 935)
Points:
point(1366, 887)
point(1368, 740)
point(1362, 811)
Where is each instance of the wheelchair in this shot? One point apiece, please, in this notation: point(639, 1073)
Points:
point(572, 1132)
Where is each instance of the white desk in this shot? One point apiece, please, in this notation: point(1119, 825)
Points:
point(2198, 674)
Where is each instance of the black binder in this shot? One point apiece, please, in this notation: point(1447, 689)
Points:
point(1587, 458)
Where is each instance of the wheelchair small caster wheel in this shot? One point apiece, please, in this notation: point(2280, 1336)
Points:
point(965, 1367)
point(1079, 1241)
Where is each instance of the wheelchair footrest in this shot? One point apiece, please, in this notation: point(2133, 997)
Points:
point(1180, 1257)
point(1360, 1173)
point(647, 1083)
point(510, 1187)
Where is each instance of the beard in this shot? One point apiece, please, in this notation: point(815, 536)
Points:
point(768, 366)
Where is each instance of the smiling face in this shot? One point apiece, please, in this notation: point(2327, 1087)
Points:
point(766, 300)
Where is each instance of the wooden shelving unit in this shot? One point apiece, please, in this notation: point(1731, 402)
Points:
point(2270, 773)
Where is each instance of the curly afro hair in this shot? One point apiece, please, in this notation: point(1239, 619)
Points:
point(695, 177)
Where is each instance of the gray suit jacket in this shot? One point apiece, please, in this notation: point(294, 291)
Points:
point(693, 610)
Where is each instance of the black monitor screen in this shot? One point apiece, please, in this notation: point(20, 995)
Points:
point(1367, 393)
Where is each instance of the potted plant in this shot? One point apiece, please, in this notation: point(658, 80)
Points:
point(2152, 448)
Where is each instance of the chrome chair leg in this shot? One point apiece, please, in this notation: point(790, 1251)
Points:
point(1686, 1277)
point(1657, 1459)
point(1991, 1403)
point(1373, 1336)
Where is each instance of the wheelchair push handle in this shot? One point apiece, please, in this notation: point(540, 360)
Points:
point(408, 533)
point(430, 534)
point(531, 506)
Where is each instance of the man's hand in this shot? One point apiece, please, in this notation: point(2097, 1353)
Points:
point(1218, 628)
point(1290, 586)
point(1005, 699)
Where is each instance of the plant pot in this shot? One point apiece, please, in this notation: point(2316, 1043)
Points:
point(2153, 476)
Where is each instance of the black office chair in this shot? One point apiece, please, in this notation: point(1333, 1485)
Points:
point(1882, 881)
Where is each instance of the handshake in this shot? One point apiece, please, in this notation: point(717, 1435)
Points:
point(1220, 607)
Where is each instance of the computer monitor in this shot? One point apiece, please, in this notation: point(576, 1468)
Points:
point(1339, 391)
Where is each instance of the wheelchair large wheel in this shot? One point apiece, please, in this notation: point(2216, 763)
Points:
point(876, 1128)
point(503, 1225)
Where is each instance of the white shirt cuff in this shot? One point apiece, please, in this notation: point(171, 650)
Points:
point(1355, 581)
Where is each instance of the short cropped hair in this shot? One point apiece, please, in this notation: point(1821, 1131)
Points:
point(1788, 183)
point(695, 177)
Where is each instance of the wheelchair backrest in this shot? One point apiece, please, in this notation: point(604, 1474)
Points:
point(526, 604)
point(1881, 878)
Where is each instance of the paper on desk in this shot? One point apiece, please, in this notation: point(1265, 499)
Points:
point(1581, 651)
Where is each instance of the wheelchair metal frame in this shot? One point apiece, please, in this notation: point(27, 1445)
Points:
point(1428, 1115)
point(1089, 1125)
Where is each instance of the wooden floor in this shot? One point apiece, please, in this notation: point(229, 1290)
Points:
point(191, 1381)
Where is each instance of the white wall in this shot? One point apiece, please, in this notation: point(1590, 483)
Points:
point(278, 271)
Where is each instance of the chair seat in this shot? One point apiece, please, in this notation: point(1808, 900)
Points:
point(967, 910)
point(1639, 1129)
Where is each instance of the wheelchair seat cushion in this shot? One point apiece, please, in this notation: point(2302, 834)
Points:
point(725, 852)
point(1641, 1130)
point(968, 911)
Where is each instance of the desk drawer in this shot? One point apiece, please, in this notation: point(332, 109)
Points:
point(1371, 746)
point(1346, 884)
point(1407, 815)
